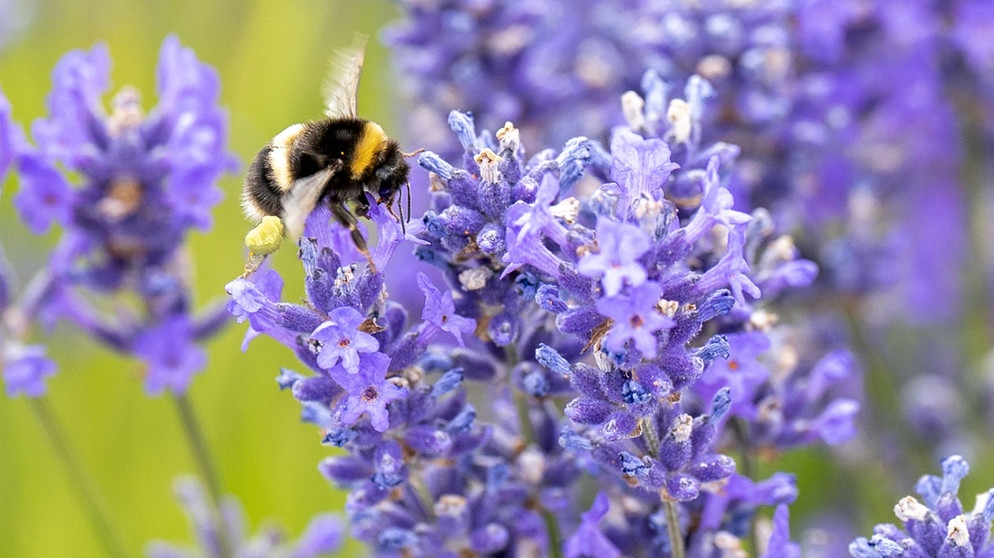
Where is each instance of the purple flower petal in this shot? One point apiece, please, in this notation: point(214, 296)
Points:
point(25, 368)
point(340, 339)
point(636, 318)
point(620, 245)
point(440, 311)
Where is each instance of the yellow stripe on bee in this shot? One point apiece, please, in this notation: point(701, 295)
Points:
point(371, 141)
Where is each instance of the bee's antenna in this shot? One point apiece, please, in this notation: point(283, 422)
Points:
point(408, 200)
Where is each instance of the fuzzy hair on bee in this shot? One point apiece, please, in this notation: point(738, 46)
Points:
point(334, 160)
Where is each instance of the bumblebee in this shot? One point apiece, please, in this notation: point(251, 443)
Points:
point(335, 160)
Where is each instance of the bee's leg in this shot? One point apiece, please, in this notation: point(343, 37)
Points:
point(388, 203)
point(412, 153)
point(347, 219)
point(252, 264)
point(263, 240)
point(362, 205)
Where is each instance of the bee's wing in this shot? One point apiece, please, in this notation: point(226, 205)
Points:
point(299, 202)
point(342, 83)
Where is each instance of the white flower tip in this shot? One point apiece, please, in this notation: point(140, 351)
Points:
point(567, 210)
point(488, 161)
point(910, 509)
point(679, 115)
point(509, 137)
point(957, 532)
point(683, 426)
point(729, 545)
point(531, 465)
point(714, 66)
point(668, 308)
point(450, 505)
point(476, 278)
point(632, 106)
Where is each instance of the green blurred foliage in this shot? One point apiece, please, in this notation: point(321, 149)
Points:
point(271, 56)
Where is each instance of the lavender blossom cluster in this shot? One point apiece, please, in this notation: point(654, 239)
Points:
point(938, 527)
point(125, 189)
point(142, 181)
point(590, 293)
point(864, 130)
point(818, 94)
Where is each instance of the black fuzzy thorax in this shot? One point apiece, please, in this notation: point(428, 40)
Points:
point(384, 176)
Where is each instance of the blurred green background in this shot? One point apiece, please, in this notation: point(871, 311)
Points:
point(272, 57)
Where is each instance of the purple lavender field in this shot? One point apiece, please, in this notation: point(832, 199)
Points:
point(690, 279)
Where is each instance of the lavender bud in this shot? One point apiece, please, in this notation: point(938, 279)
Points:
point(551, 359)
point(345, 471)
point(716, 347)
point(715, 468)
point(448, 382)
point(433, 163)
point(547, 297)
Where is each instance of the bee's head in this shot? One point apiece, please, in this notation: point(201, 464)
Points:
point(387, 193)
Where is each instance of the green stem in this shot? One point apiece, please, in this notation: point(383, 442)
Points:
point(205, 464)
point(524, 417)
point(651, 436)
point(669, 506)
point(555, 537)
point(673, 529)
point(521, 400)
point(96, 508)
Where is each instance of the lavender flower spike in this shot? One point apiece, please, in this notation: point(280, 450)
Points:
point(137, 184)
point(323, 535)
point(939, 527)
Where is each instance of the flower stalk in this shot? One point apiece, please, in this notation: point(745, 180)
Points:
point(96, 508)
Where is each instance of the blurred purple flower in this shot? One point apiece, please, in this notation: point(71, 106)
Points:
point(323, 535)
point(125, 187)
point(589, 540)
point(171, 355)
point(25, 368)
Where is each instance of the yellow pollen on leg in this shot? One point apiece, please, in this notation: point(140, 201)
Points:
point(266, 237)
